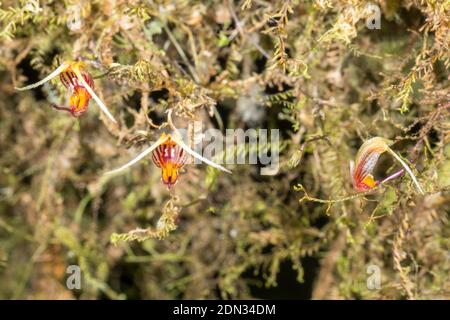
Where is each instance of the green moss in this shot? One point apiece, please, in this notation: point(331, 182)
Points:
point(314, 71)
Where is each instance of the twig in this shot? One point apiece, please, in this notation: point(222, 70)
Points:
point(398, 258)
point(181, 53)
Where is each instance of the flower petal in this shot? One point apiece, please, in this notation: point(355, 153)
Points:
point(140, 156)
point(373, 145)
point(366, 160)
point(92, 93)
point(52, 75)
point(408, 170)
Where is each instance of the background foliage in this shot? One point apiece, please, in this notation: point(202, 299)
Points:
point(310, 68)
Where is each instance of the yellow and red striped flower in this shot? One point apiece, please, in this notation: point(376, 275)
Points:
point(366, 160)
point(170, 154)
point(79, 100)
point(78, 81)
point(170, 157)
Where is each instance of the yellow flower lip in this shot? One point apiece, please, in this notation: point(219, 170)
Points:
point(76, 66)
point(170, 157)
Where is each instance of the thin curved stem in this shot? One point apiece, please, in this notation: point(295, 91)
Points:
point(54, 106)
point(393, 176)
point(332, 201)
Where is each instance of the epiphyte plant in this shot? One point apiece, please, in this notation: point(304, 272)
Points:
point(75, 78)
point(366, 160)
point(169, 153)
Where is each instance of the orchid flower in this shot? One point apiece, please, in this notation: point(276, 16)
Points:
point(74, 77)
point(366, 160)
point(169, 154)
